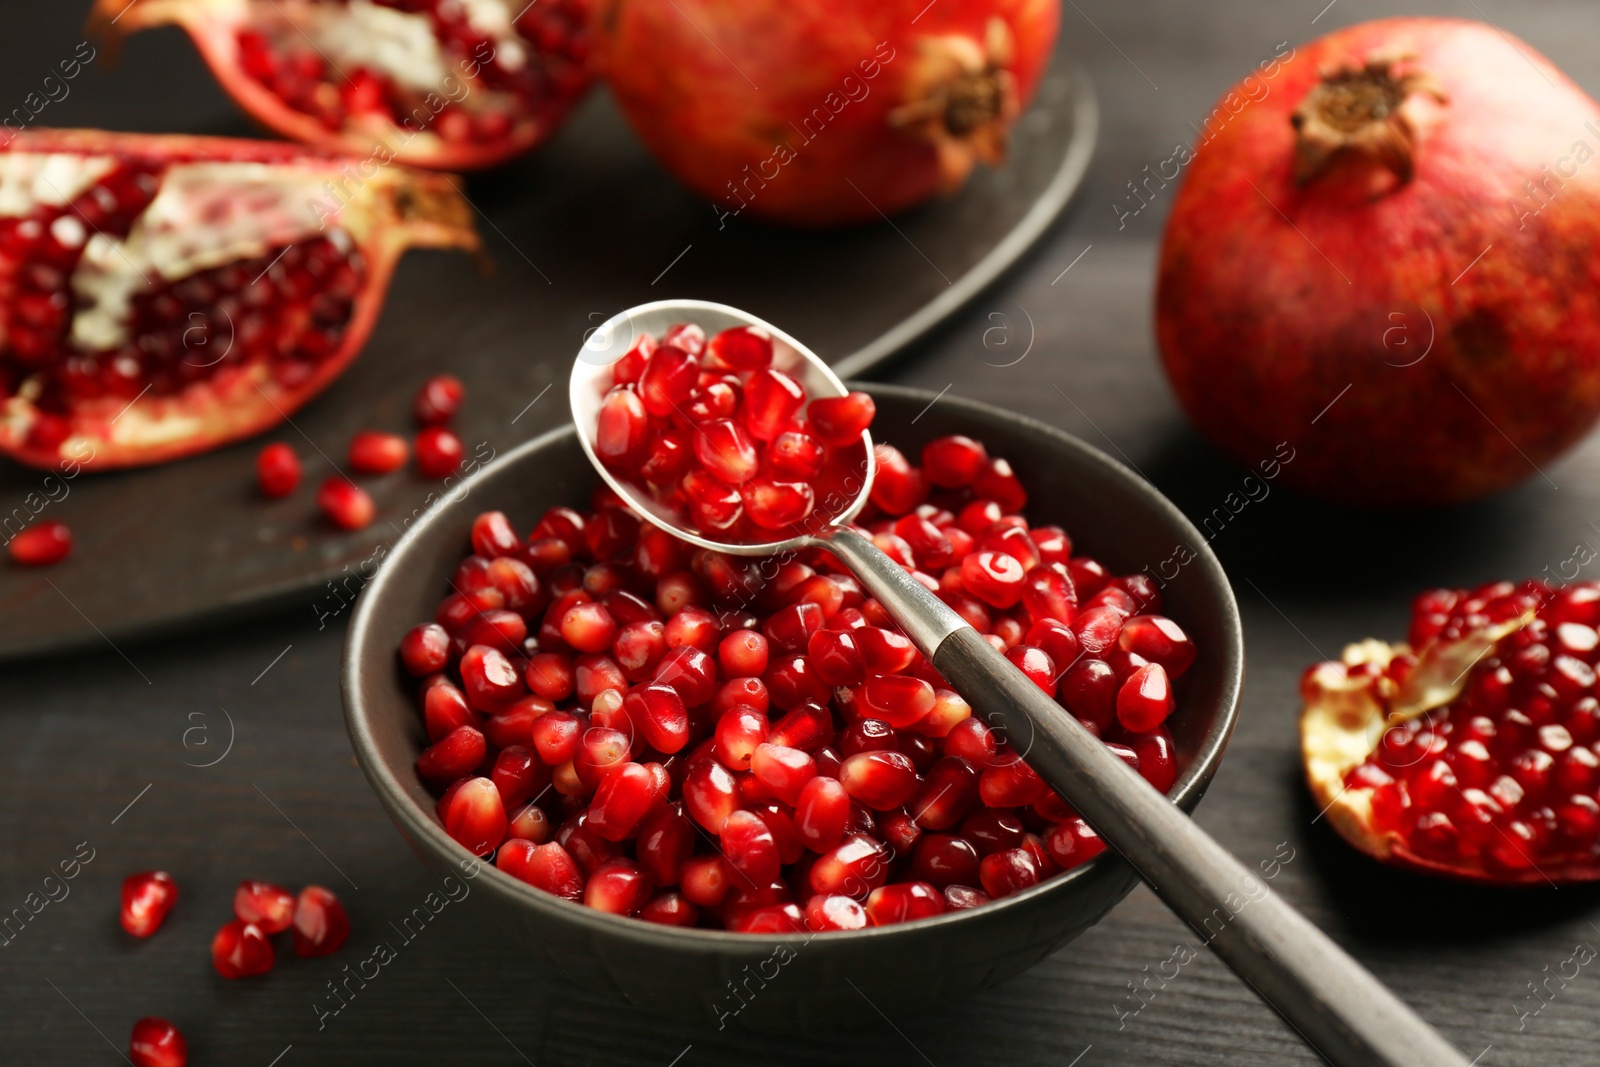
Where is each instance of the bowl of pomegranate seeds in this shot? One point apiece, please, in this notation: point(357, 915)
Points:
point(731, 785)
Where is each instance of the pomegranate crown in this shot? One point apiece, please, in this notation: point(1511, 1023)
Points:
point(1362, 109)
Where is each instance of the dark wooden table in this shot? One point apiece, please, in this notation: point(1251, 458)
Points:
point(102, 748)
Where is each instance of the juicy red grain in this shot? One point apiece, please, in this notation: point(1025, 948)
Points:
point(157, 1043)
point(277, 470)
point(347, 505)
point(43, 544)
point(374, 452)
point(241, 950)
point(439, 452)
point(147, 897)
point(268, 906)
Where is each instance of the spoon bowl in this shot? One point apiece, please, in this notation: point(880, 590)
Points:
point(591, 379)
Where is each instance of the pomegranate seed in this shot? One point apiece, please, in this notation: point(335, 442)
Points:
point(783, 770)
point(748, 845)
point(438, 400)
point(320, 923)
point(835, 912)
point(439, 452)
point(880, 780)
point(425, 649)
point(995, 578)
point(147, 897)
point(621, 802)
point(839, 421)
point(157, 1043)
point(529, 824)
point(1159, 640)
point(373, 452)
point(853, 868)
point(897, 699)
point(622, 429)
point(617, 886)
point(670, 909)
point(771, 399)
point(904, 902)
point(277, 470)
point(1145, 699)
point(490, 682)
point(705, 880)
point(710, 794)
point(241, 950)
point(953, 462)
point(475, 816)
point(743, 654)
point(1007, 872)
point(453, 756)
point(43, 544)
point(551, 868)
point(268, 906)
point(739, 732)
point(347, 505)
point(944, 860)
point(669, 377)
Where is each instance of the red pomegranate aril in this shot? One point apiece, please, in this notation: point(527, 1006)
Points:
point(773, 919)
point(821, 813)
point(551, 868)
point(438, 400)
point(971, 740)
point(826, 912)
point(704, 880)
point(475, 816)
point(375, 452)
point(953, 462)
point(1007, 872)
point(518, 773)
point(836, 657)
point(771, 398)
point(157, 1043)
point(622, 429)
point(897, 699)
point(530, 824)
point(439, 452)
point(268, 906)
point(621, 802)
point(617, 886)
point(947, 794)
point(321, 925)
point(794, 455)
point(489, 680)
point(904, 902)
point(147, 897)
point(670, 909)
point(669, 378)
point(749, 847)
point(277, 470)
point(241, 950)
point(853, 868)
point(1011, 783)
point(43, 544)
point(1145, 700)
point(588, 627)
point(996, 578)
point(739, 732)
point(944, 860)
point(743, 654)
point(840, 421)
point(710, 794)
point(885, 651)
point(783, 770)
point(777, 505)
point(1072, 842)
point(665, 843)
point(601, 750)
point(425, 649)
point(347, 505)
point(880, 780)
point(1159, 640)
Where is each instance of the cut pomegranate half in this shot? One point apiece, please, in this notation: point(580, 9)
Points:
point(1473, 756)
point(434, 83)
point(162, 295)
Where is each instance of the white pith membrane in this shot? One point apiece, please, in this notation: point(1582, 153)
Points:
point(205, 215)
point(1344, 716)
point(401, 45)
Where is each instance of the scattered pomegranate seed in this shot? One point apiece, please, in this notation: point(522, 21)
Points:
point(347, 505)
point(268, 906)
point(147, 897)
point(438, 400)
point(439, 452)
point(698, 739)
point(373, 452)
point(320, 922)
point(241, 950)
point(157, 1043)
point(278, 470)
point(43, 544)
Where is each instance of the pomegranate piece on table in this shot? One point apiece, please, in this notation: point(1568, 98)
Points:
point(147, 897)
point(44, 544)
point(163, 295)
point(824, 113)
point(157, 1043)
point(268, 906)
point(241, 950)
point(375, 452)
point(1395, 153)
point(438, 400)
point(433, 83)
point(320, 923)
point(1470, 750)
point(346, 504)
point(278, 470)
point(749, 744)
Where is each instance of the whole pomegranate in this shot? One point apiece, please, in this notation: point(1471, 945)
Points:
point(1386, 259)
point(824, 112)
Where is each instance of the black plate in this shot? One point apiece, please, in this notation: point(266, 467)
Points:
point(577, 232)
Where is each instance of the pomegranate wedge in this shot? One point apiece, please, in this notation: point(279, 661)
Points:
point(1474, 755)
point(433, 83)
point(163, 295)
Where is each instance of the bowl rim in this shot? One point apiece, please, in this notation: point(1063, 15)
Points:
point(421, 826)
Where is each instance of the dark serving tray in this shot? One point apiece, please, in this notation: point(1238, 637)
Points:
point(576, 232)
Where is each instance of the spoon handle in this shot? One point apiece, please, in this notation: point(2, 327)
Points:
point(1339, 1008)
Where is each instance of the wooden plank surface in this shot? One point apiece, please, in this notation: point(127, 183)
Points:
point(86, 735)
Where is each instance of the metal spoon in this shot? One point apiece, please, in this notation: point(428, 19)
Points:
point(1334, 1003)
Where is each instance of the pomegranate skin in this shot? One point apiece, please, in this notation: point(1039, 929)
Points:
point(1382, 341)
point(778, 107)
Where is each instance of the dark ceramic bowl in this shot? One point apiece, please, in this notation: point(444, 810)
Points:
point(795, 982)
